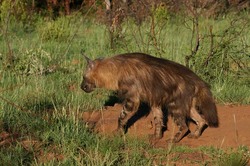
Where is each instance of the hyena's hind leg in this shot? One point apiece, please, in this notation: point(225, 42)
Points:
point(180, 120)
point(158, 121)
point(198, 119)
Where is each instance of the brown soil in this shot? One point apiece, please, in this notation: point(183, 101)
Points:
point(232, 132)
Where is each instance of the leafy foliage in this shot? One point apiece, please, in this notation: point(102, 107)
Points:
point(58, 29)
point(32, 62)
point(233, 159)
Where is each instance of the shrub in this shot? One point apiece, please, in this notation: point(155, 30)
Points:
point(32, 62)
point(55, 30)
point(160, 13)
point(233, 159)
point(18, 11)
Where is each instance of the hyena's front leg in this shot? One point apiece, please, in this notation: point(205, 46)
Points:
point(158, 120)
point(130, 106)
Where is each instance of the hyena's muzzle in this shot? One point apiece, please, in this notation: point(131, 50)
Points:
point(87, 86)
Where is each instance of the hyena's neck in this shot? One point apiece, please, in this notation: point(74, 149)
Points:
point(108, 84)
point(108, 80)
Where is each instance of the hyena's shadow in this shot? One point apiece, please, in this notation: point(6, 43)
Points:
point(143, 111)
point(112, 100)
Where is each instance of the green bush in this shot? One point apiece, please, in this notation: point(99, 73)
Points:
point(160, 13)
point(15, 9)
point(32, 62)
point(55, 30)
point(18, 13)
point(233, 159)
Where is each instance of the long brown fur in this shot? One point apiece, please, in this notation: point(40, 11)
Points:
point(159, 82)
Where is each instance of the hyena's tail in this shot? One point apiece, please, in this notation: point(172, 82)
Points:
point(207, 107)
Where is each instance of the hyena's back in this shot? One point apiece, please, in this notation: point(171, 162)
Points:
point(155, 75)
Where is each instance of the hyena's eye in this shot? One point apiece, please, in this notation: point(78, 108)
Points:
point(86, 80)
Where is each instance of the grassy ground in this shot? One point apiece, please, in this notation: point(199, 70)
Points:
point(41, 103)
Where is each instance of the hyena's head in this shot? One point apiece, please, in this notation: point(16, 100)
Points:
point(89, 82)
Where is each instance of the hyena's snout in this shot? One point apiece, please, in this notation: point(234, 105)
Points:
point(87, 87)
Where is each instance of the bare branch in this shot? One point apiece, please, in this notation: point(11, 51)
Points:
point(211, 52)
point(11, 103)
point(195, 33)
point(9, 55)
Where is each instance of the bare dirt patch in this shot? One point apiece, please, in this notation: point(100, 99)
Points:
point(232, 132)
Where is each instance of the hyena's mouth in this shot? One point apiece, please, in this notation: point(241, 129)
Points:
point(87, 88)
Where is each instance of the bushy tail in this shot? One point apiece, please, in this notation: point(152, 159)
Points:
point(208, 107)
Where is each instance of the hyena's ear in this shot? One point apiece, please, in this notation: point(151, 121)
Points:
point(90, 63)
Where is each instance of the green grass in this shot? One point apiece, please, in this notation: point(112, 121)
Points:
point(41, 100)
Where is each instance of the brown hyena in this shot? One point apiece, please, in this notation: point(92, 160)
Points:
point(158, 82)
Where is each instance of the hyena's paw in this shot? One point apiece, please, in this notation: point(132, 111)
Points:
point(196, 134)
point(172, 140)
point(158, 136)
point(121, 130)
point(158, 133)
point(193, 135)
point(118, 131)
point(153, 139)
point(178, 136)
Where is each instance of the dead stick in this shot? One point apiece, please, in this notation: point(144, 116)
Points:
point(236, 130)
point(11, 103)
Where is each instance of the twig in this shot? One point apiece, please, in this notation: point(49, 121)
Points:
point(211, 52)
point(195, 30)
point(11, 103)
point(236, 130)
point(11, 88)
point(77, 29)
point(152, 30)
point(6, 36)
